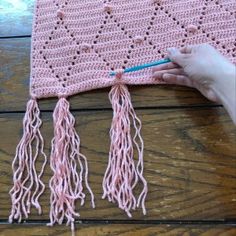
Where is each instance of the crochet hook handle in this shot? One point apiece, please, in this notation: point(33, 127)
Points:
point(143, 66)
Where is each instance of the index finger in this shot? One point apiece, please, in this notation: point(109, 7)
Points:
point(187, 49)
point(166, 66)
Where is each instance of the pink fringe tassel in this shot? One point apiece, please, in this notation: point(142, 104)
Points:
point(122, 175)
point(27, 184)
point(66, 182)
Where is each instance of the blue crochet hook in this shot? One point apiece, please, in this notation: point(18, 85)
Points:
point(143, 66)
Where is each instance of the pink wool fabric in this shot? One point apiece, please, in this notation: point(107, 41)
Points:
point(75, 45)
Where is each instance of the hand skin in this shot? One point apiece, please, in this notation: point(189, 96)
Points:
point(204, 68)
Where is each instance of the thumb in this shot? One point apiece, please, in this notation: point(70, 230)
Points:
point(176, 56)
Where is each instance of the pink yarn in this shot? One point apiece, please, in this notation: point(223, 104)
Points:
point(122, 174)
point(69, 166)
point(75, 46)
point(28, 186)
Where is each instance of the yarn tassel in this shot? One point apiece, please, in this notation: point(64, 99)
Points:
point(69, 166)
point(122, 175)
point(27, 183)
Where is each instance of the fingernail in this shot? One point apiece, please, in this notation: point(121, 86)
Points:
point(165, 76)
point(157, 75)
point(171, 51)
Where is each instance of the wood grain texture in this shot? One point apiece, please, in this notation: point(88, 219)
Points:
point(190, 153)
point(16, 17)
point(14, 90)
point(118, 230)
point(190, 162)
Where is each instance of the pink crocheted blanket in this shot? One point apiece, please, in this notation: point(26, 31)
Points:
point(75, 45)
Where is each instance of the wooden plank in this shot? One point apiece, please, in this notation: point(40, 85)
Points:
point(16, 17)
point(14, 78)
point(190, 162)
point(118, 230)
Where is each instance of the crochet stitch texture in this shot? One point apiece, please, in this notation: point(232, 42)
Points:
point(75, 45)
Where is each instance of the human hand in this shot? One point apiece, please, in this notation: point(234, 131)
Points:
point(204, 68)
point(197, 66)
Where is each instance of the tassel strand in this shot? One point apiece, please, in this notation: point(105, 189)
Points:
point(122, 175)
point(69, 166)
point(27, 184)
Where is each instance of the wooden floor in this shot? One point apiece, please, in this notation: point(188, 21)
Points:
point(190, 151)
